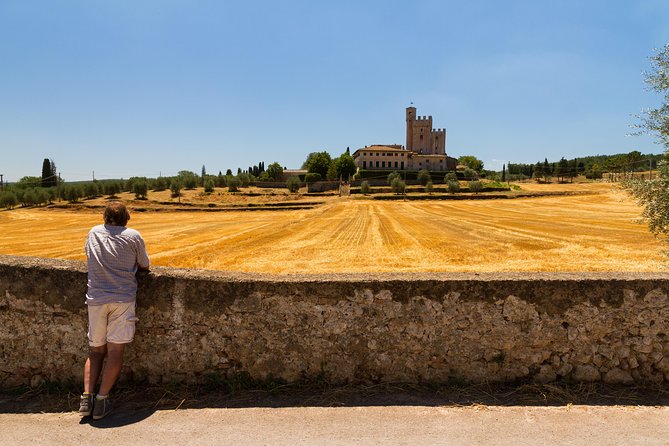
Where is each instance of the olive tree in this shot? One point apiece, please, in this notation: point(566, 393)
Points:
point(398, 186)
point(392, 176)
point(653, 194)
point(453, 186)
point(175, 187)
point(293, 184)
point(8, 199)
point(140, 189)
point(233, 184)
point(424, 177)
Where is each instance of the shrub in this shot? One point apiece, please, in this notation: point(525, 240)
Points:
point(453, 186)
point(475, 186)
point(470, 174)
point(424, 177)
point(398, 186)
point(312, 177)
point(233, 184)
point(429, 187)
point(209, 186)
point(364, 188)
point(498, 185)
point(293, 184)
point(594, 173)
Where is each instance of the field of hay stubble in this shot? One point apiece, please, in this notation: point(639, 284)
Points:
point(595, 232)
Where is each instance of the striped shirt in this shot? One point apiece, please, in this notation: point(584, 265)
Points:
point(114, 254)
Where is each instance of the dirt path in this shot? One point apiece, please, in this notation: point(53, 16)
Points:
point(487, 425)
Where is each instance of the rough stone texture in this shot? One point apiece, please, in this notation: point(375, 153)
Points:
point(371, 327)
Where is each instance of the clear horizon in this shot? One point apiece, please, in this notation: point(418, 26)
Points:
point(147, 88)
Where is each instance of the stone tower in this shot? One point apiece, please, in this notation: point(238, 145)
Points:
point(411, 117)
point(421, 137)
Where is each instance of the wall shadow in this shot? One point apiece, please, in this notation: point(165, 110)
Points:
point(134, 404)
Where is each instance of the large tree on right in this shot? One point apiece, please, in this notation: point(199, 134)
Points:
point(653, 194)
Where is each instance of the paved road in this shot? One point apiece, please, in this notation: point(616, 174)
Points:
point(472, 425)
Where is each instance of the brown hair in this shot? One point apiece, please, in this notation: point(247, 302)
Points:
point(116, 214)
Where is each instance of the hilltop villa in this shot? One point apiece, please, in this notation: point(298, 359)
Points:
point(425, 149)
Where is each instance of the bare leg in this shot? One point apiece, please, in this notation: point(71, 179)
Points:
point(112, 368)
point(96, 356)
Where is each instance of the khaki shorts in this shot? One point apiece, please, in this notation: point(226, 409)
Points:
point(113, 322)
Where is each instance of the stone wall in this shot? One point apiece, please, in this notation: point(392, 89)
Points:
point(369, 328)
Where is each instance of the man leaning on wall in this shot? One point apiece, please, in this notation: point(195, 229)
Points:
point(115, 253)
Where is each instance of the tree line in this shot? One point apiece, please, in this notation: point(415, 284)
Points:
point(37, 191)
point(618, 166)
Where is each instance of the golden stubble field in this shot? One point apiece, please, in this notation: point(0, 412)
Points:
point(596, 232)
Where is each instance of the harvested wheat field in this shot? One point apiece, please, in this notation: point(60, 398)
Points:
point(594, 232)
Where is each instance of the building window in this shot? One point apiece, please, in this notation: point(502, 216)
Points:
point(383, 164)
point(402, 165)
point(421, 137)
point(364, 164)
point(377, 164)
point(395, 163)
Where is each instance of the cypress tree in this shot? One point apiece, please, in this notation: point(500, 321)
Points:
point(46, 172)
point(54, 174)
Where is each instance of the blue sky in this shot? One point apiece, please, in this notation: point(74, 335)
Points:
point(140, 88)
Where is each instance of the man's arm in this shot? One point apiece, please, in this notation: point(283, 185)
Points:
point(143, 261)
